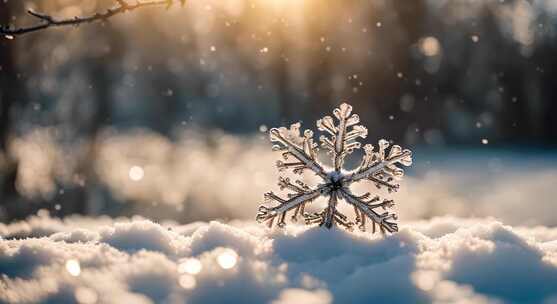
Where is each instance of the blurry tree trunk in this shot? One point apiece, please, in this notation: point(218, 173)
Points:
point(102, 101)
point(319, 90)
point(165, 102)
point(7, 79)
point(543, 110)
point(81, 197)
point(88, 196)
point(11, 93)
point(280, 70)
point(383, 89)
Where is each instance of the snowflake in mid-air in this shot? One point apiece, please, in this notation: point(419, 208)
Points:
point(380, 167)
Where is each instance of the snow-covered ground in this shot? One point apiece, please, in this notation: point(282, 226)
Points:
point(476, 226)
point(443, 260)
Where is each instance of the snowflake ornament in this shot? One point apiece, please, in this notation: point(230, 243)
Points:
point(381, 167)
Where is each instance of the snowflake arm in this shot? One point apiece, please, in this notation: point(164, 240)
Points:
point(341, 140)
point(330, 216)
point(381, 168)
point(296, 201)
point(364, 209)
point(301, 148)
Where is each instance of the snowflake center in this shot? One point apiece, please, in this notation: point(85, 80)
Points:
point(335, 180)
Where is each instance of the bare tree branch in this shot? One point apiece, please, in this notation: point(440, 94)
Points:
point(47, 21)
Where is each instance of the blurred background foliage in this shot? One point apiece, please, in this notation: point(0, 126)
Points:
point(168, 107)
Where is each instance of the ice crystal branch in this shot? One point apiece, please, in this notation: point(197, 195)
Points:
point(341, 140)
point(46, 21)
point(303, 149)
point(299, 153)
point(296, 202)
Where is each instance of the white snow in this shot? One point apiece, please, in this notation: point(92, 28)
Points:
point(444, 260)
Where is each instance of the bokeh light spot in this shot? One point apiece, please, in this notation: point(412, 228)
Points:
point(430, 46)
point(190, 266)
point(227, 259)
point(136, 173)
point(187, 281)
point(73, 267)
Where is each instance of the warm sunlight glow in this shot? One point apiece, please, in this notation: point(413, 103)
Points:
point(227, 259)
point(73, 267)
point(281, 5)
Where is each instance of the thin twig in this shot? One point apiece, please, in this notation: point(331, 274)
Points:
point(47, 21)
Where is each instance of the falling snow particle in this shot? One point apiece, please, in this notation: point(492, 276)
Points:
point(475, 38)
point(485, 141)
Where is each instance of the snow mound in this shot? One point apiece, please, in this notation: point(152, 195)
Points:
point(444, 260)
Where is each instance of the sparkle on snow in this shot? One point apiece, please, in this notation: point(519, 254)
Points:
point(378, 166)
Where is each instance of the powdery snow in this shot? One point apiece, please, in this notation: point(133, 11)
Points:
point(444, 260)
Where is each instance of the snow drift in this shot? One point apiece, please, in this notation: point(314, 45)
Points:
point(444, 260)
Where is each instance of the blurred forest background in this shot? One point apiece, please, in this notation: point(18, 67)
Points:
point(163, 112)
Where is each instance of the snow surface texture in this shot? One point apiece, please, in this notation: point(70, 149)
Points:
point(444, 260)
